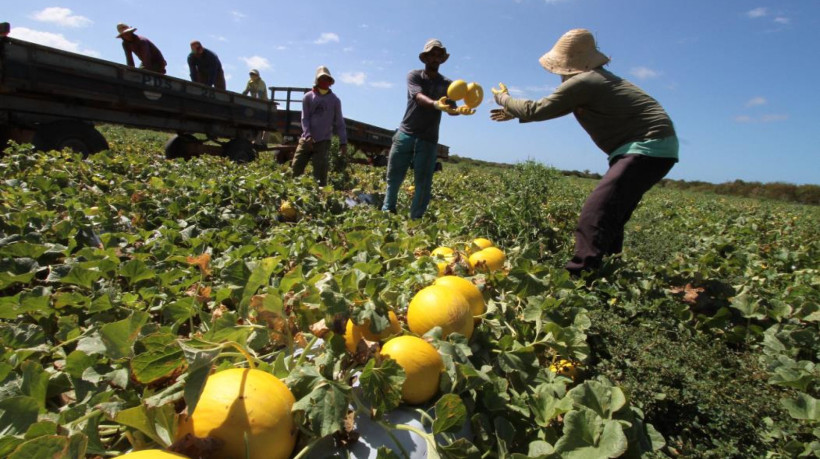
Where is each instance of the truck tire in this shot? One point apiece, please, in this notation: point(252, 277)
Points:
point(177, 146)
point(380, 161)
point(75, 135)
point(239, 150)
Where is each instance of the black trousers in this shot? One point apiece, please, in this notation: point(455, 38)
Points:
point(600, 228)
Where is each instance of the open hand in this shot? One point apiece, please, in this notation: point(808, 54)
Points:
point(499, 114)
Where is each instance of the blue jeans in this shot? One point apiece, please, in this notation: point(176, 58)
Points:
point(422, 154)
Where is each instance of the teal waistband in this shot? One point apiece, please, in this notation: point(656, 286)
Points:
point(666, 147)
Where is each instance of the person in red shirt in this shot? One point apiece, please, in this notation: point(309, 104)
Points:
point(149, 55)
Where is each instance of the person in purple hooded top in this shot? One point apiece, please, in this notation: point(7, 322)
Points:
point(321, 115)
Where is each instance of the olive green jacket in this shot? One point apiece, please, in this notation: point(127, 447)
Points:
point(612, 110)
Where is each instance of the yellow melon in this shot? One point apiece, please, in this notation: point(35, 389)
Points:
point(239, 403)
point(491, 259)
point(354, 333)
point(422, 364)
point(440, 306)
point(287, 211)
point(473, 95)
point(466, 288)
point(457, 90)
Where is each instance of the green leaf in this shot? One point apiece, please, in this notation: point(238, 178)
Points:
point(451, 414)
point(8, 279)
point(119, 336)
point(459, 449)
point(157, 364)
point(260, 277)
point(83, 277)
point(35, 382)
point(748, 306)
point(45, 447)
point(135, 271)
point(586, 435)
point(548, 402)
point(146, 420)
point(17, 414)
point(602, 399)
point(382, 385)
point(804, 406)
point(325, 407)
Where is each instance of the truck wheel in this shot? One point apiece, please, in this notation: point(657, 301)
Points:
point(75, 135)
point(177, 146)
point(239, 150)
point(439, 167)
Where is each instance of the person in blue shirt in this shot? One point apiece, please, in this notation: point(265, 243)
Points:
point(205, 66)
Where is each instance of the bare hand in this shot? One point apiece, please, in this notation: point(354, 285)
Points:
point(499, 114)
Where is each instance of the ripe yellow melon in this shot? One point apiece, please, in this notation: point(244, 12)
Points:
point(443, 253)
point(466, 288)
point(564, 367)
point(242, 402)
point(457, 90)
point(354, 333)
point(287, 211)
point(439, 306)
point(151, 454)
point(482, 243)
point(422, 364)
point(474, 95)
point(492, 258)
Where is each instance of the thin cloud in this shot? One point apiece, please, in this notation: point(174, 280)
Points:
point(757, 13)
point(238, 16)
point(256, 62)
point(326, 37)
point(381, 84)
point(281, 48)
point(769, 118)
point(782, 20)
point(219, 38)
point(644, 73)
point(356, 78)
point(54, 40)
point(756, 101)
point(61, 16)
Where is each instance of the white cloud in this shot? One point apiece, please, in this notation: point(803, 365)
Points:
point(219, 38)
point(514, 90)
point(348, 49)
point(357, 78)
point(757, 13)
point(644, 73)
point(61, 16)
point(782, 20)
point(326, 37)
point(55, 40)
point(281, 48)
point(382, 84)
point(238, 16)
point(770, 118)
point(755, 101)
point(773, 117)
point(256, 62)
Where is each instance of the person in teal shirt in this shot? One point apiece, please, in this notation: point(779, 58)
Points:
point(626, 123)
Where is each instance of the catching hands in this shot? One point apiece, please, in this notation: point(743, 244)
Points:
point(465, 110)
point(501, 95)
point(499, 114)
point(442, 105)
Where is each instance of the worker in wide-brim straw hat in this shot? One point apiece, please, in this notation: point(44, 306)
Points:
point(149, 55)
point(626, 123)
point(321, 116)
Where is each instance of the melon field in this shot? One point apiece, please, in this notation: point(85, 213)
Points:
point(128, 281)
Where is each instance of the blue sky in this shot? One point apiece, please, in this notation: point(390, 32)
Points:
point(738, 77)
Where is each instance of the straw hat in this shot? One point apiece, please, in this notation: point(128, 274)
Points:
point(322, 71)
point(124, 29)
point(433, 43)
point(574, 52)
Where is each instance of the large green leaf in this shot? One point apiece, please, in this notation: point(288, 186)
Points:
point(605, 400)
point(586, 435)
point(119, 337)
point(325, 407)
point(381, 385)
point(17, 414)
point(450, 414)
point(804, 406)
point(260, 277)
